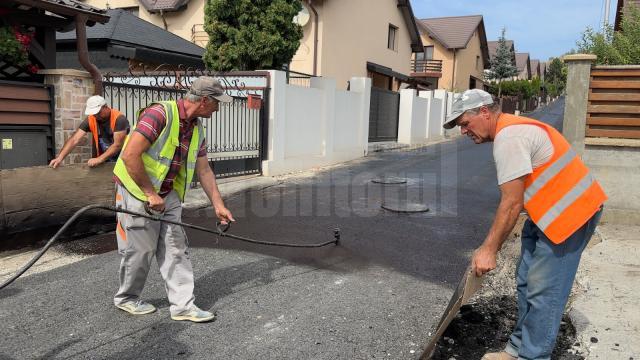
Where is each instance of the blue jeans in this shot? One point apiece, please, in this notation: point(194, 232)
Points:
point(544, 277)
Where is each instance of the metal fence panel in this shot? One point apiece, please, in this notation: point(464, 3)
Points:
point(234, 133)
point(384, 115)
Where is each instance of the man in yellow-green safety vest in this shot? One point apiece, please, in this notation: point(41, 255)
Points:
point(155, 167)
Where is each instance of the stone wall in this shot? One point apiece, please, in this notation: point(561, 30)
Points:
point(72, 89)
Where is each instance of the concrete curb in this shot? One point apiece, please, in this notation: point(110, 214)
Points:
point(387, 146)
point(196, 198)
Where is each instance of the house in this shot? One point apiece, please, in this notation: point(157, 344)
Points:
point(543, 70)
point(128, 41)
point(535, 69)
point(378, 43)
point(620, 11)
point(460, 44)
point(184, 18)
point(523, 63)
point(493, 48)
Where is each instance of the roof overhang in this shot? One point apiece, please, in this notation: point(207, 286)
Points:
point(384, 70)
point(410, 20)
point(154, 6)
point(67, 9)
point(483, 44)
point(153, 55)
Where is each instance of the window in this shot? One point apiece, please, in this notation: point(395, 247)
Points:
point(391, 40)
point(428, 52)
point(477, 62)
point(426, 55)
point(134, 10)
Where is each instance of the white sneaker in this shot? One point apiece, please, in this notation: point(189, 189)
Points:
point(195, 314)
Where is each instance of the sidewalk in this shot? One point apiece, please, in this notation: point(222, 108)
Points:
point(605, 306)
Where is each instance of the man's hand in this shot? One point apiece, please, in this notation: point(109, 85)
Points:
point(55, 163)
point(156, 203)
point(224, 215)
point(483, 261)
point(93, 162)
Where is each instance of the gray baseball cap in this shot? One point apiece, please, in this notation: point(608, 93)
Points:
point(470, 99)
point(209, 87)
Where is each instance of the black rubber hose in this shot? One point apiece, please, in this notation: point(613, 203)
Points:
point(219, 231)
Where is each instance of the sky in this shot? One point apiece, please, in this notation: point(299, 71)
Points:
point(543, 28)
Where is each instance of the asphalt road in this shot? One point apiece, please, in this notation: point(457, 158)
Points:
point(376, 295)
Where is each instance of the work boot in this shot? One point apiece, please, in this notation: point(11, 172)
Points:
point(498, 356)
point(195, 314)
point(137, 307)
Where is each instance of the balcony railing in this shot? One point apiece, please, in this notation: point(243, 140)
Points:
point(199, 36)
point(426, 66)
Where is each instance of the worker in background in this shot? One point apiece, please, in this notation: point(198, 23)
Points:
point(539, 172)
point(108, 128)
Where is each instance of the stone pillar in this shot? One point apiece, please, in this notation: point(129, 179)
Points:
point(575, 107)
point(72, 89)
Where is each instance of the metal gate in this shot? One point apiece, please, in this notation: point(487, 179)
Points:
point(383, 115)
point(234, 134)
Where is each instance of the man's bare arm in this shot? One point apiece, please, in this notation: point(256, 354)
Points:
point(68, 146)
point(209, 185)
point(511, 203)
point(118, 142)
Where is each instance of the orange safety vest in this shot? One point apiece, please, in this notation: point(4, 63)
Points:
point(93, 127)
point(561, 195)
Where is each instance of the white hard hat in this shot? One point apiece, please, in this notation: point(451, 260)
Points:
point(94, 104)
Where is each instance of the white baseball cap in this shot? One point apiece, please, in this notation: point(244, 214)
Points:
point(469, 99)
point(94, 104)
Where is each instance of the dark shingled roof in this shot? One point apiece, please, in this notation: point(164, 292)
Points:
point(535, 67)
point(455, 32)
point(521, 61)
point(127, 29)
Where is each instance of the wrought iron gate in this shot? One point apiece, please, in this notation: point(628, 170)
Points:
point(383, 115)
point(235, 133)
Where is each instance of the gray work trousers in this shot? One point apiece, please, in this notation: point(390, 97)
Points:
point(139, 239)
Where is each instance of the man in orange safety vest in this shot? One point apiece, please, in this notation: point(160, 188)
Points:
point(108, 128)
point(539, 172)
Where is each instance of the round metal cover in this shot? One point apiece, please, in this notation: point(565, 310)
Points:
point(405, 207)
point(391, 180)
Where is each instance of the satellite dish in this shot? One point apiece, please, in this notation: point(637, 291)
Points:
point(303, 17)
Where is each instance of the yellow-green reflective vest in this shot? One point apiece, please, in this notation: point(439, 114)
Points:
point(157, 159)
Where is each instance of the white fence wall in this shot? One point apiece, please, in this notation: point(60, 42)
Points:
point(422, 116)
point(315, 126)
point(303, 126)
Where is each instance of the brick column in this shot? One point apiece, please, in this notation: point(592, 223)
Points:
point(575, 107)
point(72, 89)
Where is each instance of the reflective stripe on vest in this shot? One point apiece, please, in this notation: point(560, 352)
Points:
point(93, 127)
point(157, 159)
point(561, 195)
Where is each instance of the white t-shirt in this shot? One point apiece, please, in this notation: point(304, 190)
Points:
point(519, 149)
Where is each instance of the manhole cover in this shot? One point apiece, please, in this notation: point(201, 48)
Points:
point(389, 180)
point(405, 207)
